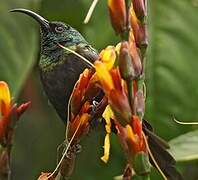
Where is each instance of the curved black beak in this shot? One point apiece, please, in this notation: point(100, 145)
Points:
point(42, 21)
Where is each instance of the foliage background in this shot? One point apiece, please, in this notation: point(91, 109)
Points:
point(172, 88)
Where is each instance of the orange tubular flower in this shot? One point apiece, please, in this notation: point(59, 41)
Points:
point(131, 137)
point(9, 113)
point(117, 10)
point(103, 67)
point(138, 27)
point(112, 84)
point(79, 91)
point(78, 127)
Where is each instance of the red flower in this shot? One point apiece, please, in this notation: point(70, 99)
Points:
point(9, 113)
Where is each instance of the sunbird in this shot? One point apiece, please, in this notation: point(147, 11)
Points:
point(60, 70)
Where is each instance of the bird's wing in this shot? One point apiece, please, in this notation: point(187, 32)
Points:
point(163, 158)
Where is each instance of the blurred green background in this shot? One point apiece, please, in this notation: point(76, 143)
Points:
point(171, 79)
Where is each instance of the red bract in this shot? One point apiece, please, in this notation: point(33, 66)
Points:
point(117, 10)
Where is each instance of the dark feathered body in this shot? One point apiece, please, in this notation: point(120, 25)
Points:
point(59, 68)
point(58, 81)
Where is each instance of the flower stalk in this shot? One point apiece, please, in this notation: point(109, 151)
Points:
point(9, 116)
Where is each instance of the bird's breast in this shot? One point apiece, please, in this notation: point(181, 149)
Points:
point(59, 79)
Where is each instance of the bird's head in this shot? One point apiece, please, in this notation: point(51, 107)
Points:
point(53, 32)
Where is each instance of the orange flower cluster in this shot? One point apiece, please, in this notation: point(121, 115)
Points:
point(9, 114)
point(108, 77)
point(80, 107)
point(118, 72)
point(114, 84)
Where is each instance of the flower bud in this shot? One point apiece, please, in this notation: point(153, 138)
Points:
point(118, 15)
point(139, 103)
point(125, 62)
point(139, 30)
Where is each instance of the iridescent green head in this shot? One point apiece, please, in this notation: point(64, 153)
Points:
point(53, 33)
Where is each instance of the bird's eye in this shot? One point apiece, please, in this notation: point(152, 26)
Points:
point(59, 29)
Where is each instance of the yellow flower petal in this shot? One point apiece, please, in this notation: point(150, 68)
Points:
point(104, 76)
point(5, 98)
point(108, 56)
point(130, 133)
point(132, 12)
point(107, 115)
point(117, 48)
point(106, 147)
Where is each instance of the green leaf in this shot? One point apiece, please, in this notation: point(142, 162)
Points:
point(18, 44)
point(172, 65)
point(185, 147)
